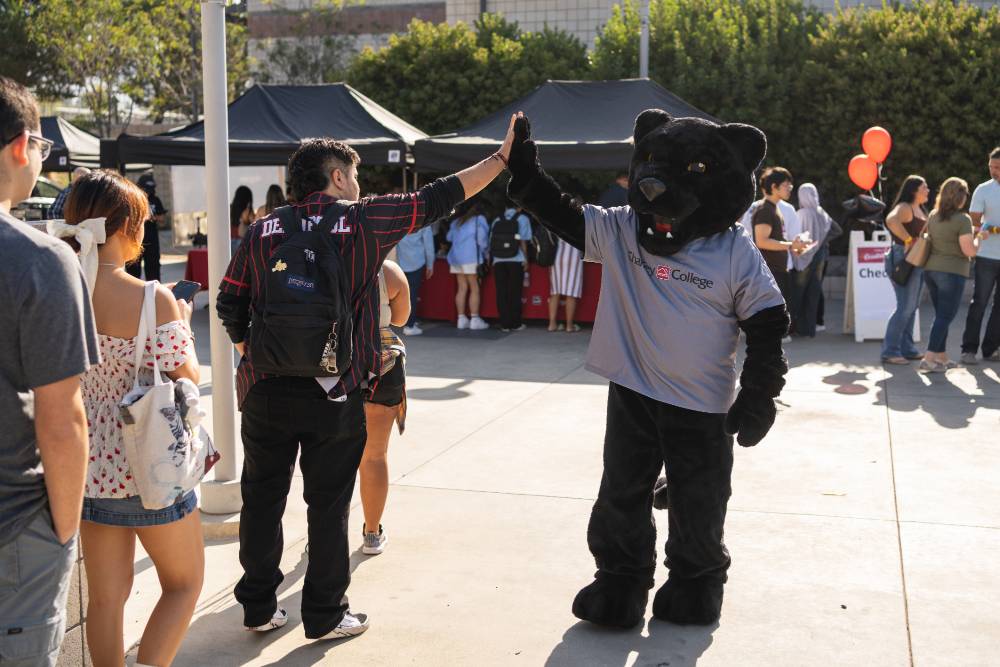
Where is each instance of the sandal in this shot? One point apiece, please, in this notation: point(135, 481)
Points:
point(553, 327)
point(899, 361)
point(575, 328)
point(560, 327)
point(928, 366)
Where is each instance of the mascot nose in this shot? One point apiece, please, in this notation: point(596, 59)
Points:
point(652, 188)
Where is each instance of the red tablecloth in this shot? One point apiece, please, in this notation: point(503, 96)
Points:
point(197, 267)
point(437, 295)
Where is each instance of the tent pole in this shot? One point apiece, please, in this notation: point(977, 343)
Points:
point(644, 39)
point(221, 496)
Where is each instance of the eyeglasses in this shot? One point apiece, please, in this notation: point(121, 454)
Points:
point(44, 145)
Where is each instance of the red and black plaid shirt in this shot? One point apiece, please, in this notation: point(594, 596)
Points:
point(372, 227)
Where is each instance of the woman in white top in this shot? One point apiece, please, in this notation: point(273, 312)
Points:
point(113, 515)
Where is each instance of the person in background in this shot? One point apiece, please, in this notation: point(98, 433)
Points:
point(112, 211)
point(240, 216)
point(469, 238)
point(274, 198)
point(809, 265)
point(55, 211)
point(565, 280)
point(617, 192)
point(953, 244)
point(415, 254)
point(985, 212)
point(150, 259)
point(906, 220)
point(511, 227)
point(386, 406)
point(47, 342)
point(769, 232)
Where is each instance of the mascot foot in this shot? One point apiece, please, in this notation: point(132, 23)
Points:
point(661, 494)
point(618, 602)
point(690, 602)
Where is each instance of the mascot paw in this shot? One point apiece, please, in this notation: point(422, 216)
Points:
point(751, 416)
point(661, 494)
point(618, 602)
point(691, 602)
point(523, 159)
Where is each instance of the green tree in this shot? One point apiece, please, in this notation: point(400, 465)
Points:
point(928, 73)
point(22, 58)
point(318, 50)
point(101, 49)
point(176, 45)
point(442, 77)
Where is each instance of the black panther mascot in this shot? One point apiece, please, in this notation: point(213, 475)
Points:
point(680, 279)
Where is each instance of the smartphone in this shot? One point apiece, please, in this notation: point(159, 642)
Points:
point(186, 289)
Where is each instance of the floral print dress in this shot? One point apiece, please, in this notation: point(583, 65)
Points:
point(104, 386)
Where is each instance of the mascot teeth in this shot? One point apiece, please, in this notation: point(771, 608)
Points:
point(669, 235)
point(649, 230)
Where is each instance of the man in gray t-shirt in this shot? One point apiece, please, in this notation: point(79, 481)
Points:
point(47, 340)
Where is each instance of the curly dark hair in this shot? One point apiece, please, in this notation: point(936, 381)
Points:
point(310, 166)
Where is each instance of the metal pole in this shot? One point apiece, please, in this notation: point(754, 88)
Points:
point(644, 39)
point(223, 495)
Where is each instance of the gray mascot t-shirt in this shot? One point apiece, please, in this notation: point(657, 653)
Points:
point(666, 327)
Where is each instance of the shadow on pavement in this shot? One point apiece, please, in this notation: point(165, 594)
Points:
point(948, 404)
point(664, 644)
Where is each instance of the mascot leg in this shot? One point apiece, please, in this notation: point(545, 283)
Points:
point(699, 463)
point(621, 534)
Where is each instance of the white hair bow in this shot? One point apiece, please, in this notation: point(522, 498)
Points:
point(88, 234)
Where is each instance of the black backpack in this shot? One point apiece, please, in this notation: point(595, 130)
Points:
point(302, 324)
point(504, 243)
point(542, 250)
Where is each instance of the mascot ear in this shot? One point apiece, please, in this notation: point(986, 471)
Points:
point(649, 120)
point(750, 143)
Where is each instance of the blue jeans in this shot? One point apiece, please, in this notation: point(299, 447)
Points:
point(414, 279)
point(946, 295)
point(987, 275)
point(809, 289)
point(898, 341)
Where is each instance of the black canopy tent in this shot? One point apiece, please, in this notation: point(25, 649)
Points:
point(73, 146)
point(577, 124)
point(268, 122)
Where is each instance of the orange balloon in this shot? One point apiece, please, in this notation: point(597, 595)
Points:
point(863, 171)
point(876, 143)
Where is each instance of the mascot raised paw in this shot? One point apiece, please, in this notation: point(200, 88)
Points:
point(680, 279)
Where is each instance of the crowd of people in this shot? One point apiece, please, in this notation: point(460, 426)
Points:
point(959, 244)
point(75, 348)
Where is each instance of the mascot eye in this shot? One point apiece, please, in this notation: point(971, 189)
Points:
point(649, 158)
point(698, 167)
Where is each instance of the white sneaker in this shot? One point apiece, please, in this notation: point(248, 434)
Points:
point(278, 620)
point(350, 625)
point(463, 322)
point(786, 339)
point(478, 324)
point(820, 327)
point(412, 331)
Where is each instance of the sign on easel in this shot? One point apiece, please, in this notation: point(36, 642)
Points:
point(869, 300)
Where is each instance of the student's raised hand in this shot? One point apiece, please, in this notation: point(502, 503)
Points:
point(508, 140)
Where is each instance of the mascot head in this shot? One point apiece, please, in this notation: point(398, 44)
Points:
point(690, 178)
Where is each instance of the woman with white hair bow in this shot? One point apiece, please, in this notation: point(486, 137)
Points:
point(810, 265)
point(105, 219)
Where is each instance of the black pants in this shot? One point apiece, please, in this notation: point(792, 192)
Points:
point(150, 254)
point(509, 277)
point(986, 273)
point(787, 287)
point(642, 436)
point(281, 415)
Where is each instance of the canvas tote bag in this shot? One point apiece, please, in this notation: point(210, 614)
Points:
point(167, 449)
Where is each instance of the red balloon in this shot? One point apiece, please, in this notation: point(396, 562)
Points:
point(863, 171)
point(876, 143)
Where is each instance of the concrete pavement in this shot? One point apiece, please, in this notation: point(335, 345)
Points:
point(863, 529)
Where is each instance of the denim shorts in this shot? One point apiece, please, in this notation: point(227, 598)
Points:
point(130, 512)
